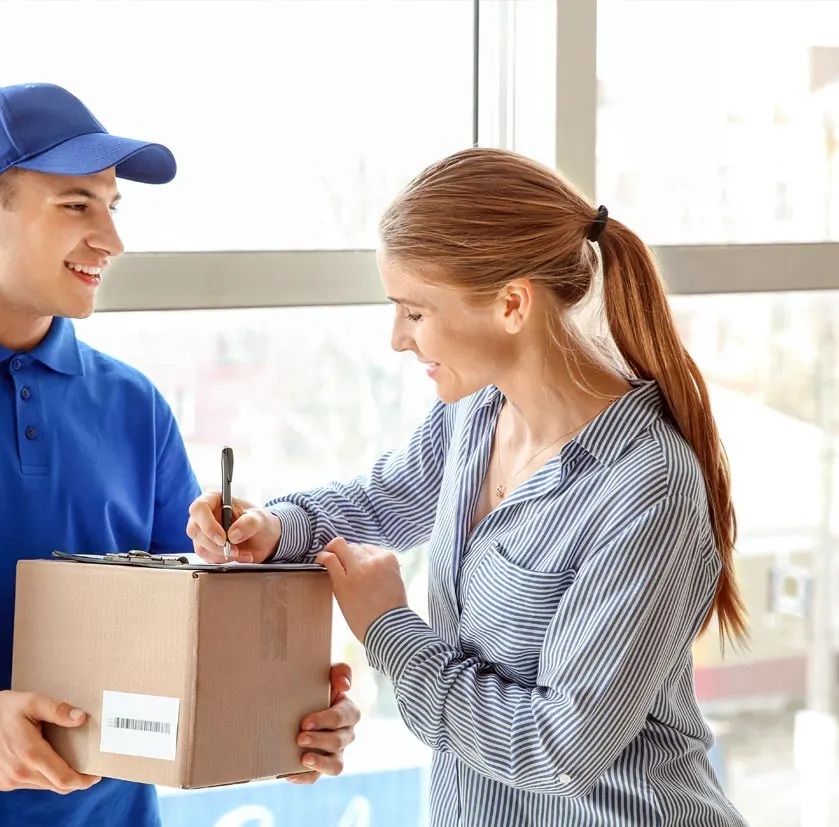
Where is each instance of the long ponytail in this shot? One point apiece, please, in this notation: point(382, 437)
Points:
point(643, 329)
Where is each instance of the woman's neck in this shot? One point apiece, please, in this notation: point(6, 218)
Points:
point(550, 399)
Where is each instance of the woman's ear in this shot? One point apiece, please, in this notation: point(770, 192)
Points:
point(515, 304)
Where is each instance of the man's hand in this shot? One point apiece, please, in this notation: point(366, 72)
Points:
point(254, 533)
point(329, 731)
point(27, 761)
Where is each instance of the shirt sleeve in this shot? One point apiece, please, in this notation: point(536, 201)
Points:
point(393, 506)
point(627, 621)
point(175, 485)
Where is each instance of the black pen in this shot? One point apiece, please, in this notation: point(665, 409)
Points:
point(226, 495)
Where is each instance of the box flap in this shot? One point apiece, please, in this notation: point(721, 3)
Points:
point(179, 562)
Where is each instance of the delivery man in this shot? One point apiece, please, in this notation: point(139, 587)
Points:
point(91, 459)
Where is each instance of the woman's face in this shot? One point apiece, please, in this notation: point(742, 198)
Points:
point(463, 346)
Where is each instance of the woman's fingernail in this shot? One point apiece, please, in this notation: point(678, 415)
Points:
point(309, 761)
point(234, 535)
point(304, 740)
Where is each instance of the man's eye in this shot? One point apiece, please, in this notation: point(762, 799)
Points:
point(76, 207)
point(413, 317)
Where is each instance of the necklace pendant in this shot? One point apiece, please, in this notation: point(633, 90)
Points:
point(500, 491)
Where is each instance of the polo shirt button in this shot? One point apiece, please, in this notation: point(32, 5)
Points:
point(25, 393)
point(17, 364)
point(31, 433)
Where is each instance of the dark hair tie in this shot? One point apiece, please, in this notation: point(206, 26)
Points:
point(599, 224)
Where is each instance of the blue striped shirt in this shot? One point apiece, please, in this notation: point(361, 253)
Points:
point(555, 683)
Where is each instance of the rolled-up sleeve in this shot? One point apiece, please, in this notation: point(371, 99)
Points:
point(627, 621)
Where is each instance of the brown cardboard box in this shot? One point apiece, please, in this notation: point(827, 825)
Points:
point(192, 676)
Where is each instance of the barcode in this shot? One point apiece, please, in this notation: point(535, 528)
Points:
point(139, 725)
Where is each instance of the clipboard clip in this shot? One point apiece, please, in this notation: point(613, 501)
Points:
point(139, 558)
point(143, 557)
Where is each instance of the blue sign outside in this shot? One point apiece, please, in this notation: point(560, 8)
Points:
point(380, 799)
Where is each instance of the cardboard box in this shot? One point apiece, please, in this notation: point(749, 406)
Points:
point(192, 675)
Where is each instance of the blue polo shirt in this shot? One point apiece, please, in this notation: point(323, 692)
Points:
point(91, 460)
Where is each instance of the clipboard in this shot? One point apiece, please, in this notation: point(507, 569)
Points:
point(179, 562)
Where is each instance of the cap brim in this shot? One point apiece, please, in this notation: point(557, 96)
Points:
point(140, 161)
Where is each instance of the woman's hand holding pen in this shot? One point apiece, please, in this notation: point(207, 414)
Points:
point(254, 533)
point(366, 581)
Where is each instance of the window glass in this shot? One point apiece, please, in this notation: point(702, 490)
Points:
point(294, 122)
point(719, 121)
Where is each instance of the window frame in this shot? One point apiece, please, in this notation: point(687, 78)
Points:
point(230, 279)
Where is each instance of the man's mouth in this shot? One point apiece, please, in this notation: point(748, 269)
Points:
point(85, 272)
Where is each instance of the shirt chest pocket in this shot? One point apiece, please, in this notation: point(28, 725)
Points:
point(507, 609)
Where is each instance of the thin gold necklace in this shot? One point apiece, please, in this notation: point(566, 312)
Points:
point(501, 488)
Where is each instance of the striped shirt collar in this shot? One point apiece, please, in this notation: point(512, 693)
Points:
point(608, 435)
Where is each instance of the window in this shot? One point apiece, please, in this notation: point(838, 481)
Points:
point(293, 122)
point(728, 113)
point(518, 76)
point(772, 362)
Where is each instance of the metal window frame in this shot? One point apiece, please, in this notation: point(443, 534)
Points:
point(217, 280)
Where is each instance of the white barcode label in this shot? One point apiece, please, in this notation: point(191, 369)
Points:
point(142, 725)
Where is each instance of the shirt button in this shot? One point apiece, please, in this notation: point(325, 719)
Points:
point(25, 393)
point(564, 779)
point(31, 433)
point(17, 364)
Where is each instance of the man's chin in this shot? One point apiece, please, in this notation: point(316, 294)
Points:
point(77, 311)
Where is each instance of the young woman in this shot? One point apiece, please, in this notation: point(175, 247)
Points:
point(575, 499)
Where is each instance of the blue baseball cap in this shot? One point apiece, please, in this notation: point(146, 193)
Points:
point(46, 129)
